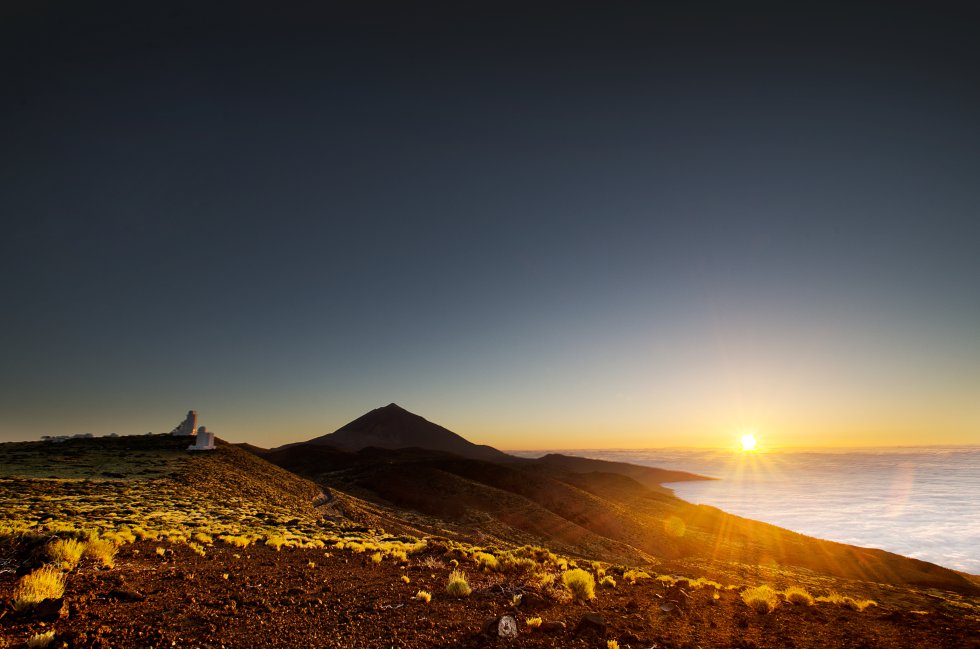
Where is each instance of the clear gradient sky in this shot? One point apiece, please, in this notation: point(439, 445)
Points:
point(605, 225)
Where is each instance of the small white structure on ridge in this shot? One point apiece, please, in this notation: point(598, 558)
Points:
point(204, 441)
point(187, 426)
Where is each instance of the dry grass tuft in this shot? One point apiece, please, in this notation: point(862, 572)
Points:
point(237, 541)
point(40, 640)
point(424, 596)
point(457, 585)
point(533, 622)
point(798, 595)
point(612, 644)
point(580, 583)
point(632, 575)
point(66, 552)
point(197, 549)
point(485, 561)
point(406, 579)
point(44, 583)
point(761, 598)
point(101, 551)
point(847, 602)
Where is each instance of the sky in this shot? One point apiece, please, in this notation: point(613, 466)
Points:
point(593, 225)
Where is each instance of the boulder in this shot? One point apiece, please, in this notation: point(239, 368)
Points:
point(591, 623)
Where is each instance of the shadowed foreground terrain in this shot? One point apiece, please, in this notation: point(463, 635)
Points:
point(224, 549)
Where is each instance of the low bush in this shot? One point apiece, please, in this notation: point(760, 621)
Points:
point(66, 552)
point(102, 551)
point(40, 640)
point(798, 595)
point(457, 585)
point(579, 583)
point(202, 538)
point(485, 561)
point(847, 602)
point(44, 583)
point(237, 541)
point(761, 598)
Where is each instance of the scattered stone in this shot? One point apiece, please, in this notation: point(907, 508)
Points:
point(507, 628)
point(51, 610)
point(551, 627)
point(532, 602)
point(126, 595)
point(668, 607)
point(591, 623)
point(504, 627)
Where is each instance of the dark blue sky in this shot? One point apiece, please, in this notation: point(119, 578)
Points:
point(604, 224)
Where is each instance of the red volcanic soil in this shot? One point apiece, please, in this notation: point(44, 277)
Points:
point(265, 598)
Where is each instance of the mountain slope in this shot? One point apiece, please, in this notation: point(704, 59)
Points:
point(601, 515)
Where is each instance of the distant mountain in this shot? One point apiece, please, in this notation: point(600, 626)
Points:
point(649, 477)
point(393, 427)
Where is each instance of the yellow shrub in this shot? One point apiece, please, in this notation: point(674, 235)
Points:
point(197, 549)
point(579, 583)
point(102, 551)
point(798, 595)
point(542, 580)
point(202, 538)
point(406, 580)
point(485, 561)
point(237, 541)
point(66, 552)
point(608, 582)
point(143, 535)
point(847, 602)
point(43, 583)
point(376, 558)
point(40, 640)
point(632, 575)
point(762, 598)
point(424, 596)
point(701, 582)
point(457, 585)
point(533, 622)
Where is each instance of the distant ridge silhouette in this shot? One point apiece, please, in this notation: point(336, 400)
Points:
point(393, 427)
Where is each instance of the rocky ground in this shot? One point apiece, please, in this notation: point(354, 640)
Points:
point(293, 597)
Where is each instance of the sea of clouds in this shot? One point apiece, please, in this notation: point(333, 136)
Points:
point(922, 502)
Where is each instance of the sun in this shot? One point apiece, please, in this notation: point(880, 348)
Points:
point(748, 442)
